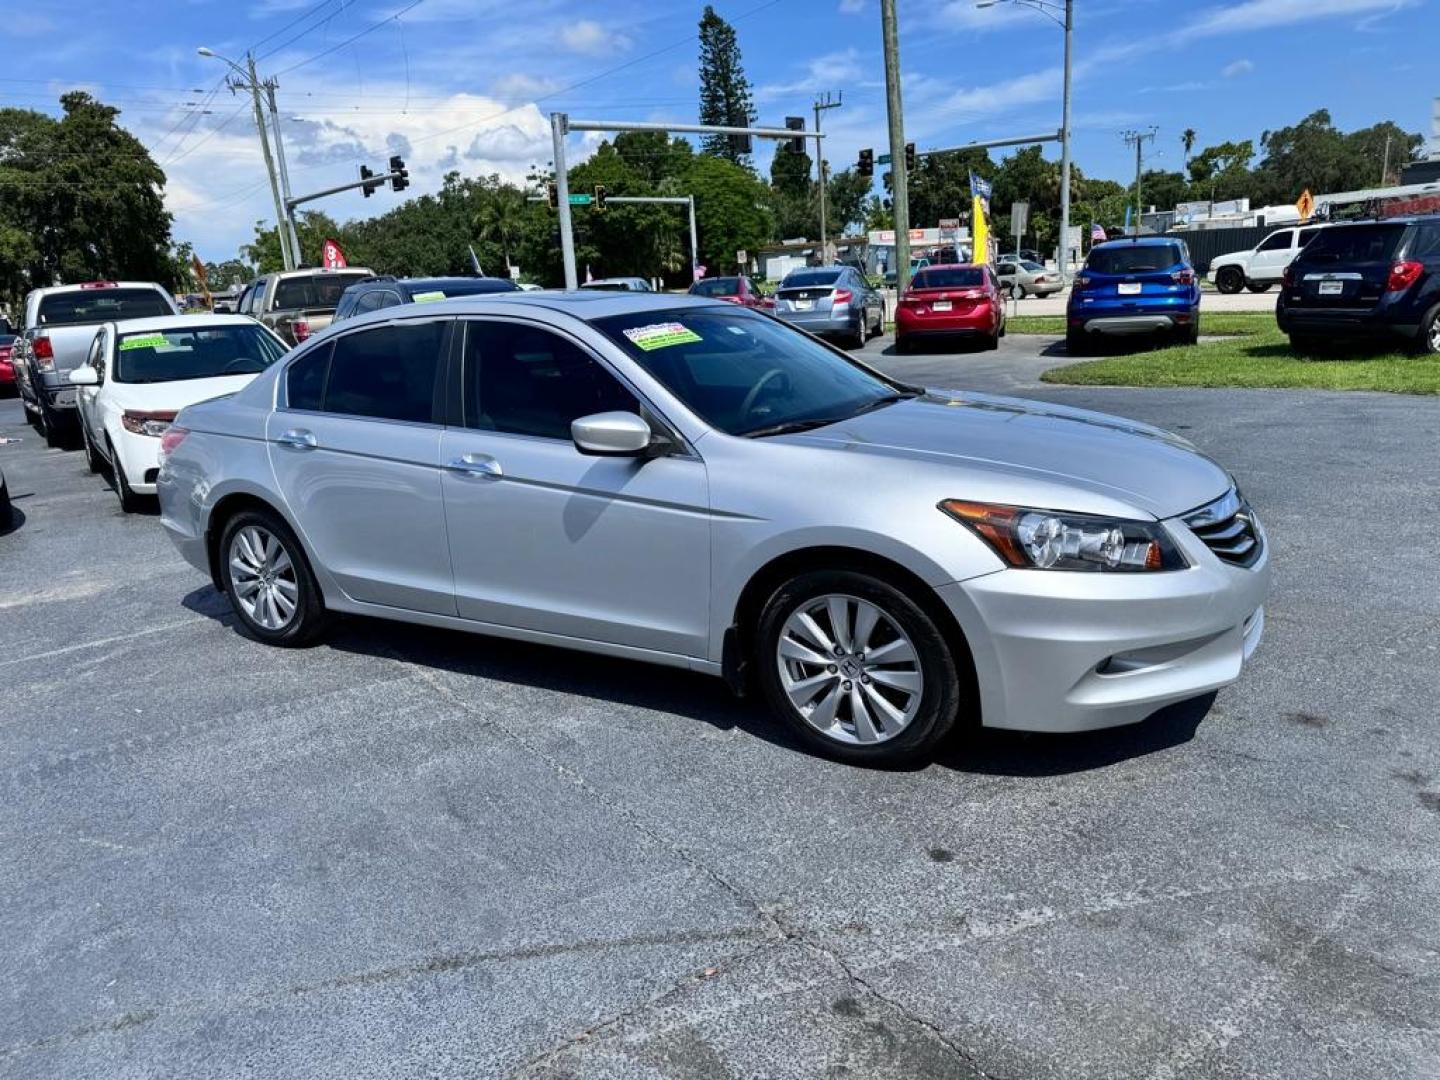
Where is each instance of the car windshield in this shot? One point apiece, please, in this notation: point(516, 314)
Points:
point(205, 352)
point(314, 291)
point(607, 286)
point(1354, 244)
point(102, 305)
point(747, 374)
point(1033, 267)
point(950, 277)
point(1133, 258)
point(804, 278)
point(720, 286)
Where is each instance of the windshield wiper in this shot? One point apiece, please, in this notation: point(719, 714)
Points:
point(790, 426)
point(888, 399)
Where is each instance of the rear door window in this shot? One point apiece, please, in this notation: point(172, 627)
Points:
point(1279, 241)
point(305, 380)
point(387, 372)
point(1426, 242)
point(86, 306)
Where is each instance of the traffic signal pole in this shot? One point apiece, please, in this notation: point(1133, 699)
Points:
point(559, 128)
point(294, 235)
point(368, 181)
point(899, 192)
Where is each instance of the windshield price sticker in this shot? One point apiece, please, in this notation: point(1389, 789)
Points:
point(428, 297)
point(144, 341)
point(661, 335)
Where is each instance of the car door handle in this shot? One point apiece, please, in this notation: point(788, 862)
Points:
point(476, 465)
point(297, 440)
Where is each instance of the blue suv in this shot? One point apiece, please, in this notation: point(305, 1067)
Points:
point(1141, 286)
point(1374, 279)
point(374, 293)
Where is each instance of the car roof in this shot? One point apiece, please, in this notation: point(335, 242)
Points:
point(306, 271)
point(615, 280)
point(579, 304)
point(1137, 241)
point(90, 286)
point(181, 322)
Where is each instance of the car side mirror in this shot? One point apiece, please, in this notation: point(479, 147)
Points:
point(85, 375)
point(612, 434)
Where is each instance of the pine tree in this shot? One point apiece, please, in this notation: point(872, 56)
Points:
point(725, 97)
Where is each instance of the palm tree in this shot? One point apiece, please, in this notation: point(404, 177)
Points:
point(1187, 139)
point(499, 219)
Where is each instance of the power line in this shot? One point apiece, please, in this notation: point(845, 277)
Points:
point(348, 41)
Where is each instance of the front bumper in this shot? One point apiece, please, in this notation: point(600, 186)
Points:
point(1060, 652)
point(140, 458)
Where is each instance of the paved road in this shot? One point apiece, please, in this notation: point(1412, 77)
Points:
point(408, 852)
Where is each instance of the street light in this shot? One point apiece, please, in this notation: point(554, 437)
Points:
point(1064, 17)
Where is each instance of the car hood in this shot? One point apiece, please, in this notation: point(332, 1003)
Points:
point(1113, 459)
point(176, 395)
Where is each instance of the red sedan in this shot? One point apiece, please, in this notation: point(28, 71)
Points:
point(737, 290)
point(951, 301)
point(7, 366)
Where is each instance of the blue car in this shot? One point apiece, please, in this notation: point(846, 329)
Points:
point(1144, 286)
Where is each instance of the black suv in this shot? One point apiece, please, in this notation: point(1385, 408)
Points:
point(1365, 280)
point(374, 293)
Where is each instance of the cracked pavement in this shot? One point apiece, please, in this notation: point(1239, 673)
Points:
point(409, 852)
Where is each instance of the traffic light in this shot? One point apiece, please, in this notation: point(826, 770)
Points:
point(370, 185)
point(599, 197)
point(552, 194)
point(866, 167)
point(909, 157)
point(797, 144)
point(741, 144)
point(402, 181)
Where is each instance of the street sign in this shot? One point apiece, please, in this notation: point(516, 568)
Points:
point(1019, 217)
point(741, 256)
point(581, 200)
point(949, 226)
point(883, 159)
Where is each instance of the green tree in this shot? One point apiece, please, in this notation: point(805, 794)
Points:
point(313, 226)
point(732, 210)
point(846, 193)
point(790, 172)
point(725, 97)
point(1187, 140)
point(499, 220)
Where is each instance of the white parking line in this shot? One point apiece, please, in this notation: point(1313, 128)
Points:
point(103, 641)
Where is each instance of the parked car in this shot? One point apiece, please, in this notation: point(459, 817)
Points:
point(737, 290)
point(1140, 286)
point(1263, 265)
point(298, 303)
point(1375, 279)
point(384, 291)
point(141, 372)
point(916, 265)
point(831, 300)
point(695, 484)
point(1022, 278)
point(7, 364)
point(7, 511)
point(59, 328)
point(951, 302)
point(619, 284)
point(1030, 255)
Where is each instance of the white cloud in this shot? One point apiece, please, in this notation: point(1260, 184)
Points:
point(852, 7)
point(826, 72)
point(1239, 67)
point(1255, 15)
point(589, 38)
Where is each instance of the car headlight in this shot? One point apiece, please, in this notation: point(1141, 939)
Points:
point(1053, 540)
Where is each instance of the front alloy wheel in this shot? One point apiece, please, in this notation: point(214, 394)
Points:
point(858, 669)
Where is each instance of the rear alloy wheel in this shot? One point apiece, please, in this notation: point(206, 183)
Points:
point(1428, 341)
point(1230, 280)
point(129, 501)
point(858, 670)
point(268, 580)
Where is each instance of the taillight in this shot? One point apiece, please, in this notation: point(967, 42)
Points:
point(44, 353)
point(1082, 282)
point(155, 424)
point(842, 296)
point(5, 351)
point(301, 329)
point(1287, 279)
point(172, 438)
point(1183, 277)
point(1403, 275)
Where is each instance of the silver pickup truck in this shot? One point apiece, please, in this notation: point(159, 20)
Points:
point(298, 303)
point(60, 325)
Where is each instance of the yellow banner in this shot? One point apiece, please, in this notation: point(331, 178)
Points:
point(979, 232)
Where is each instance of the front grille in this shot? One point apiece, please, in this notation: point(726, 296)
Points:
point(1227, 527)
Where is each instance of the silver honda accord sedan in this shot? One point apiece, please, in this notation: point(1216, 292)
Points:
point(691, 483)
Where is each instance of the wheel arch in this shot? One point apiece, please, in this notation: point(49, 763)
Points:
point(763, 583)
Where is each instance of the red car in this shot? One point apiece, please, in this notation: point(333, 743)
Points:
point(7, 366)
point(951, 301)
point(737, 290)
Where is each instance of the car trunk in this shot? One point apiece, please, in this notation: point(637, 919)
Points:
point(1346, 268)
point(1139, 286)
point(807, 297)
point(943, 301)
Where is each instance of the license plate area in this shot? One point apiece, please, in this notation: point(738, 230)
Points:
point(1129, 288)
point(942, 305)
point(1332, 288)
point(64, 397)
point(804, 305)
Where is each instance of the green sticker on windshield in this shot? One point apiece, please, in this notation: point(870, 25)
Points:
point(661, 335)
point(428, 297)
point(144, 341)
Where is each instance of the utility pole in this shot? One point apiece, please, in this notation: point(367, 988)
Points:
point(559, 128)
point(822, 104)
point(293, 235)
point(1385, 168)
point(1138, 139)
point(1064, 260)
point(286, 252)
point(898, 193)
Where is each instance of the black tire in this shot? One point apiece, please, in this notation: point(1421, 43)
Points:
point(310, 617)
point(991, 342)
point(903, 346)
point(1427, 342)
point(49, 427)
point(1230, 280)
point(92, 459)
point(858, 336)
point(941, 695)
point(1076, 343)
point(7, 511)
point(1259, 286)
point(129, 501)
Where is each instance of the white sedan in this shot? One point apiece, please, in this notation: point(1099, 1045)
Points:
point(139, 373)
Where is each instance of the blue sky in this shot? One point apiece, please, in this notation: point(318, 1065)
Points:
point(468, 84)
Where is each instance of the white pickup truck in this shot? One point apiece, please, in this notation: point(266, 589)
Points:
point(60, 325)
point(1264, 264)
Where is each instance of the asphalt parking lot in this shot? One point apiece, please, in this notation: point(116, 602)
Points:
point(409, 852)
